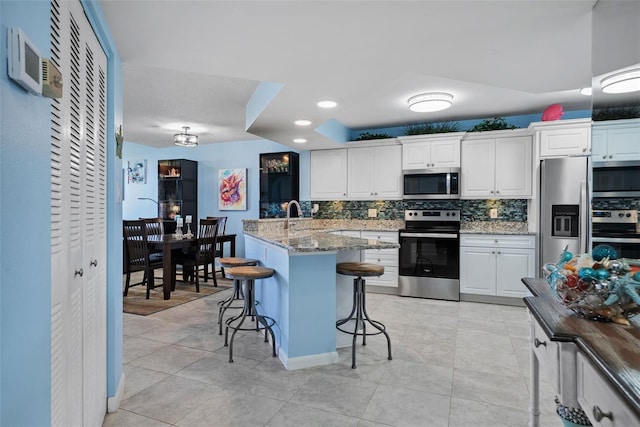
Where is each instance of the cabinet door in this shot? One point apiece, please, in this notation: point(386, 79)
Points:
point(599, 145)
point(329, 174)
point(513, 167)
point(360, 177)
point(564, 142)
point(387, 173)
point(512, 265)
point(477, 271)
point(416, 155)
point(445, 153)
point(624, 144)
point(478, 165)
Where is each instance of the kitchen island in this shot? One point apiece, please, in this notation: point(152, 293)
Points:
point(305, 296)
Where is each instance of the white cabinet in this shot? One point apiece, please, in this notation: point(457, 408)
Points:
point(493, 265)
point(385, 257)
point(374, 173)
point(600, 402)
point(428, 152)
point(616, 141)
point(497, 167)
point(329, 174)
point(562, 138)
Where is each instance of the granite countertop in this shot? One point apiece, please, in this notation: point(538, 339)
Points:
point(318, 241)
point(277, 225)
point(495, 227)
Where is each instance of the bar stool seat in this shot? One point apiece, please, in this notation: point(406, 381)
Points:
point(236, 295)
point(359, 308)
point(248, 275)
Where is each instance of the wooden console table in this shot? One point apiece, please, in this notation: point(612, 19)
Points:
point(593, 365)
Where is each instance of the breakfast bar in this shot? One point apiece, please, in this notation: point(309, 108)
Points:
point(305, 296)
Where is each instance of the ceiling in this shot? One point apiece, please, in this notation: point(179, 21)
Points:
point(198, 63)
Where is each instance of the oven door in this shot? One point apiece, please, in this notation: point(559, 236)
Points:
point(625, 248)
point(430, 255)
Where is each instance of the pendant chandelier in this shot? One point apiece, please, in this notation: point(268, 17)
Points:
point(185, 139)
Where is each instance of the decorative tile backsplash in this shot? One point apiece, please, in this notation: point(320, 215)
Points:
point(472, 210)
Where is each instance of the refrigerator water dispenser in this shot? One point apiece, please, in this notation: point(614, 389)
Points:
point(565, 220)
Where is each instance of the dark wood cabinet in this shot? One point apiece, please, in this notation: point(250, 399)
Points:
point(279, 182)
point(178, 192)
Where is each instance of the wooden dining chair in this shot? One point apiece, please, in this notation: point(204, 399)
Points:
point(154, 226)
point(222, 225)
point(138, 254)
point(204, 253)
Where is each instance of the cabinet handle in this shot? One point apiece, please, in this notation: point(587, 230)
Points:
point(611, 156)
point(491, 191)
point(94, 263)
point(537, 343)
point(78, 273)
point(599, 415)
point(499, 252)
point(584, 150)
point(493, 252)
point(497, 191)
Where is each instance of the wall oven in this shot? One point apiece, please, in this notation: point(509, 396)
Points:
point(616, 179)
point(617, 228)
point(430, 254)
point(431, 183)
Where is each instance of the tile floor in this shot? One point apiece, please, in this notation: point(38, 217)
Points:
point(454, 364)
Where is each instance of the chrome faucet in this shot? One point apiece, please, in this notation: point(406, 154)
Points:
point(293, 202)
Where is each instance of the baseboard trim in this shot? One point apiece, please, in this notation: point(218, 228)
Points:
point(518, 302)
point(302, 362)
point(113, 402)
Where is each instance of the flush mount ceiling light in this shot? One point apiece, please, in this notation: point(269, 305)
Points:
point(302, 122)
point(430, 102)
point(623, 82)
point(299, 140)
point(327, 104)
point(185, 139)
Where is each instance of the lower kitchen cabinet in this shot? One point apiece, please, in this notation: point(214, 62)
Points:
point(385, 257)
point(493, 265)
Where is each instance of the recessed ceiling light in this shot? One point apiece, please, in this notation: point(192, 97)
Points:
point(327, 104)
point(299, 140)
point(302, 122)
point(587, 91)
point(623, 82)
point(430, 102)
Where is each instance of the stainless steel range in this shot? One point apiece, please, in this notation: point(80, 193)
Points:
point(430, 254)
point(617, 228)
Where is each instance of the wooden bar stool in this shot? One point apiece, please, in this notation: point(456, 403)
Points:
point(231, 262)
point(360, 270)
point(248, 275)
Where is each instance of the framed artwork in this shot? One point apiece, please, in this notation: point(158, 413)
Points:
point(232, 189)
point(137, 171)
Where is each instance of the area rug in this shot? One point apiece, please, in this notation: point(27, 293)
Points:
point(136, 303)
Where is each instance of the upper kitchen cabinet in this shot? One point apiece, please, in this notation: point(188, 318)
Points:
point(374, 173)
point(562, 138)
point(428, 152)
point(497, 165)
point(615, 141)
point(329, 174)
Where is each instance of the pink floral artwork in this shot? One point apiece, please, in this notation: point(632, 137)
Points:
point(232, 189)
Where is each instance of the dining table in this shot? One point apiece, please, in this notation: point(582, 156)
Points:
point(169, 242)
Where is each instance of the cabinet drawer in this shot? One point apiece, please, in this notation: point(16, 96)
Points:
point(547, 353)
point(602, 404)
point(498, 241)
point(385, 236)
point(386, 257)
point(389, 278)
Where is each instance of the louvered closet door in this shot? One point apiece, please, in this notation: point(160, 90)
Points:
point(78, 223)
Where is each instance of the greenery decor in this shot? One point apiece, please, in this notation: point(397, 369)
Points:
point(366, 135)
point(496, 123)
point(429, 128)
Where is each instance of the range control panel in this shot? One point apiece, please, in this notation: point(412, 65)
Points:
point(432, 215)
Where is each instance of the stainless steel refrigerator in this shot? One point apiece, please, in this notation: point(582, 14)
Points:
point(565, 207)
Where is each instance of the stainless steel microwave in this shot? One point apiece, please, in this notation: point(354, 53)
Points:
point(431, 183)
point(616, 179)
